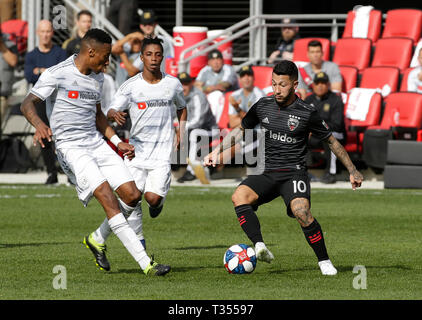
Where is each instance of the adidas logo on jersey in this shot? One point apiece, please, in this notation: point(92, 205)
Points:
point(265, 120)
point(282, 137)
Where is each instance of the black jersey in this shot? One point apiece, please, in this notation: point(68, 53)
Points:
point(286, 131)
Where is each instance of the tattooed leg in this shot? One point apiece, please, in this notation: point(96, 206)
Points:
point(301, 211)
point(310, 227)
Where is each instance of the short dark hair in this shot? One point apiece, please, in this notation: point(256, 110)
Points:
point(148, 40)
point(83, 12)
point(315, 43)
point(286, 68)
point(97, 35)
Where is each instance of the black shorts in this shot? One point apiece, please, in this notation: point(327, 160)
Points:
point(287, 184)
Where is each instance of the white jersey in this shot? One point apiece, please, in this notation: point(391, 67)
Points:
point(151, 109)
point(71, 99)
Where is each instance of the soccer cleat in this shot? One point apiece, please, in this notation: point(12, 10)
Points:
point(155, 211)
point(327, 268)
point(98, 250)
point(186, 177)
point(262, 253)
point(156, 269)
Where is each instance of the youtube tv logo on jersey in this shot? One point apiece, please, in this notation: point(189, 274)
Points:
point(142, 105)
point(73, 94)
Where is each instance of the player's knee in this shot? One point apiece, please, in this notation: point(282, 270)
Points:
point(133, 197)
point(154, 200)
point(240, 197)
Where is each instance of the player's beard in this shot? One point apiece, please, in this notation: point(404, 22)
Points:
point(287, 98)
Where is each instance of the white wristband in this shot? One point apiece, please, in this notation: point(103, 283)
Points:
point(115, 140)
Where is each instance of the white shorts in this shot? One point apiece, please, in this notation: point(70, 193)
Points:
point(88, 168)
point(156, 180)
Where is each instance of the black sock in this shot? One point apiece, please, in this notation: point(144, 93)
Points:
point(315, 238)
point(249, 222)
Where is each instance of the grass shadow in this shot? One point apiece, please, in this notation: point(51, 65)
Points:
point(34, 244)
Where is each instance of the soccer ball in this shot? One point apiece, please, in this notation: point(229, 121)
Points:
point(240, 259)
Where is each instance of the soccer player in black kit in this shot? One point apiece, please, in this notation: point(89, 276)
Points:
point(287, 121)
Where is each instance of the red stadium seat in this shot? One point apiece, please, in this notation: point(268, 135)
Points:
point(18, 33)
point(403, 23)
point(403, 114)
point(403, 85)
point(353, 52)
point(378, 77)
point(355, 128)
point(393, 52)
point(263, 76)
point(350, 77)
point(300, 50)
point(374, 27)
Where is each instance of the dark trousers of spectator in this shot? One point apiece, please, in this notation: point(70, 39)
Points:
point(47, 152)
point(118, 12)
point(330, 158)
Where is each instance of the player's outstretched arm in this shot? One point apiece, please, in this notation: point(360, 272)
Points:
point(103, 126)
point(42, 131)
point(229, 141)
point(182, 116)
point(356, 177)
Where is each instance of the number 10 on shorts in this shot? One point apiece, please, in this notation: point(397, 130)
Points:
point(299, 186)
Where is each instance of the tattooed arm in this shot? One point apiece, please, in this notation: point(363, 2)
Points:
point(228, 142)
point(356, 177)
point(42, 131)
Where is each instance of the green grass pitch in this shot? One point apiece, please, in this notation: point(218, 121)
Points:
point(43, 227)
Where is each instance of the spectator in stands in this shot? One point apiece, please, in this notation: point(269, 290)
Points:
point(121, 14)
point(331, 109)
point(414, 80)
point(216, 75)
point(200, 122)
point(83, 24)
point(242, 99)
point(284, 48)
point(37, 61)
point(128, 51)
point(317, 64)
point(8, 61)
point(148, 24)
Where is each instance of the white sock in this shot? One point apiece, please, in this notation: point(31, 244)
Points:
point(127, 236)
point(101, 234)
point(126, 209)
point(135, 221)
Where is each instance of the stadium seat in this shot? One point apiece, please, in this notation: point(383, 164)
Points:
point(403, 23)
point(353, 52)
point(350, 77)
point(403, 84)
point(18, 33)
point(263, 76)
point(393, 52)
point(378, 77)
point(355, 128)
point(402, 114)
point(374, 27)
point(300, 50)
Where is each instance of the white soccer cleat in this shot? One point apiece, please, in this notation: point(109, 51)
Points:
point(327, 268)
point(262, 252)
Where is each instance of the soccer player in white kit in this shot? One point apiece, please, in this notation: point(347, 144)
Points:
point(72, 89)
point(152, 98)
